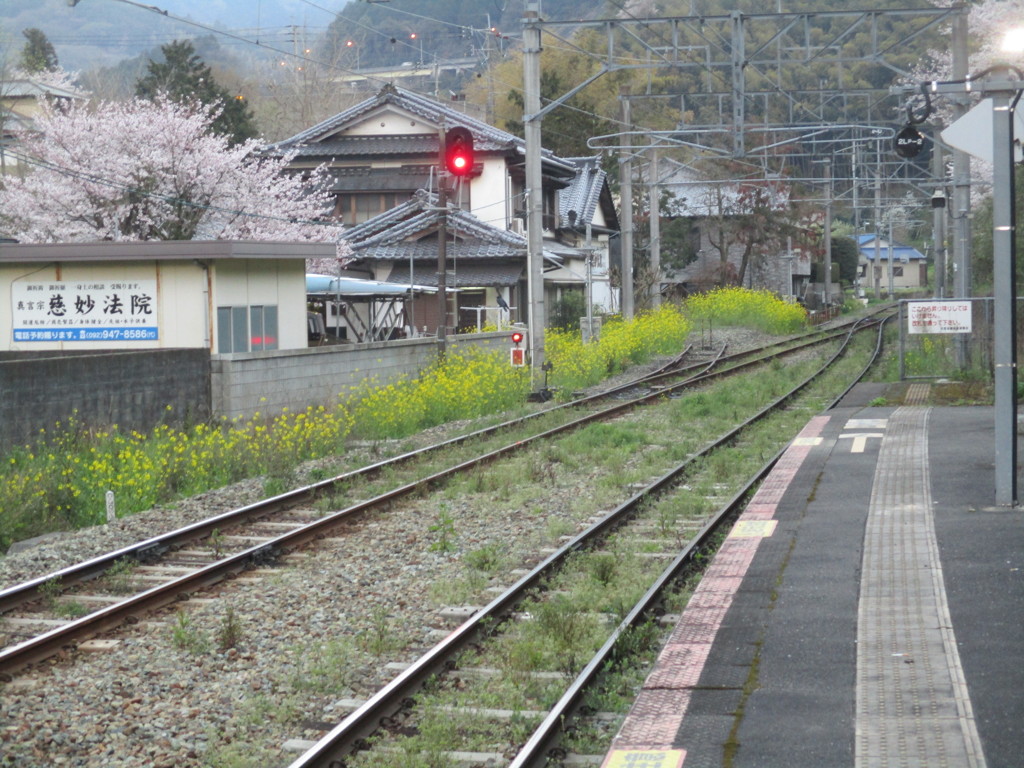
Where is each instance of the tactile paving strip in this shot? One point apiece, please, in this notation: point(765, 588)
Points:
point(658, 711)
point(912, 703)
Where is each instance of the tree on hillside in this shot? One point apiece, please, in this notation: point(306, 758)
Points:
point(38, 55)
point(183, 76)
point(153, 170)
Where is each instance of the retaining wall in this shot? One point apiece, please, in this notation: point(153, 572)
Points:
point(268, 382)
point(130, 389)
point(133, 389)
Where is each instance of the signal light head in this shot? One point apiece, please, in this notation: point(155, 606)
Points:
point(517, 338)
point(458, 151)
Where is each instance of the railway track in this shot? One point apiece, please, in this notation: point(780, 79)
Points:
point(389, 709)
point(180, 563)
point(199, 544)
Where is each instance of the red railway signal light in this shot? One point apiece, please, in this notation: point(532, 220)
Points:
point(517, 355)
point(458, 151)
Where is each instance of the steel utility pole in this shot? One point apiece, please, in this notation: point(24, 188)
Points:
point(1004, 92)
point(1004, 284)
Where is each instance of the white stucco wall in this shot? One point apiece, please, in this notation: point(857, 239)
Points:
point(184, 312)
point(388, 120)
point(281, 283)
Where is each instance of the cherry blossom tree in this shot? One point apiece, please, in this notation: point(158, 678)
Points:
point(988, 22)
point(152, 170)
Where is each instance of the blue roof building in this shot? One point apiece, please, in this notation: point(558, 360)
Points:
point(909, 266)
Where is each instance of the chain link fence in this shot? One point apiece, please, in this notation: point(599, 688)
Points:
point(950, 338)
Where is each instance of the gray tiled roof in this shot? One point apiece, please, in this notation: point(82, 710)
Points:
point(366, 146)
point(427, 108)
point(407, 232)
point(426, 250)
point(462, 276)
point(583, 195)
point(485, 137)
point(357, 146)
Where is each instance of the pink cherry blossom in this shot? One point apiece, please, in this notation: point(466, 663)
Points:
point(142, 170)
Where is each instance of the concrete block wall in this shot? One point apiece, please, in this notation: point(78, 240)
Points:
point(133, 389)
point(268, 382)
point(130, 389)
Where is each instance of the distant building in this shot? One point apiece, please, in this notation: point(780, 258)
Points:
point(909, 266)
point(21, 99)
point(383, 157)
point(711, 208)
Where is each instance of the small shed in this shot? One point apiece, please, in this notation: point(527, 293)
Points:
point(225, 296)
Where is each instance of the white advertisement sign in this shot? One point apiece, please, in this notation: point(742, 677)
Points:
point(939, 317)
point(85, 310)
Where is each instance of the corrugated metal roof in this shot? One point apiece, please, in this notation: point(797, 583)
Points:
point(163, 250)
point(352, 286)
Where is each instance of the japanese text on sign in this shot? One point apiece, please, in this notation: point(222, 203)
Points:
point(939, 317)
point(86, 310)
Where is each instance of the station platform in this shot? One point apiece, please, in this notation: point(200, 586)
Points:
point(865, 611)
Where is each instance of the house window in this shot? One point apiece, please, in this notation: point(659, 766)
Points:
point(355, 208)
point(550, 212)
point(245, 329)
point(897, 271)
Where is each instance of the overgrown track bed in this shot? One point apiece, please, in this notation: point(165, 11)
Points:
point(368, 591)
point(460, 714)
point(60, 609)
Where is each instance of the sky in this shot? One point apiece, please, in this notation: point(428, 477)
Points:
point(102, 32)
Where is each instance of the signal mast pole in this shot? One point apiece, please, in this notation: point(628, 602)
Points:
point(442, 246)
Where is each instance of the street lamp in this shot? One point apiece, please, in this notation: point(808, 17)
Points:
point(1013, 40)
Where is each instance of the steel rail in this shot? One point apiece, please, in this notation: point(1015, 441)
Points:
point(349, 735)
point(536, 751)
point(54, 641)
point(149, 549)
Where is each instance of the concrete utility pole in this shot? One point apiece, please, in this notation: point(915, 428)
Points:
point(534, 186)
point(626, 198)
point(939, 216)
point(960, 210)
point(828, 234)
point(739, 82)
point(876, 267)
point(655, 230)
